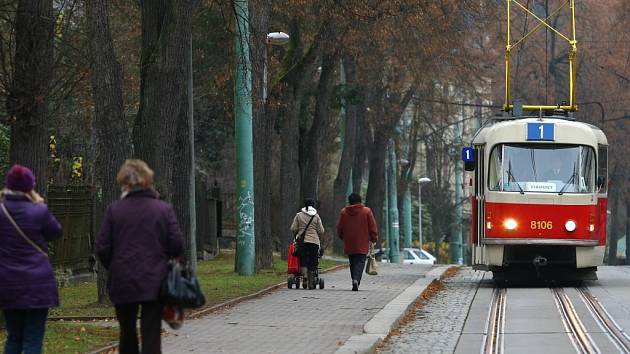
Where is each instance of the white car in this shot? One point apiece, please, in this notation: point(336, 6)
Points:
point(409, 256)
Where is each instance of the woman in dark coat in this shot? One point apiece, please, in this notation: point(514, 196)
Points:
point(27, 281)
point(138, 236)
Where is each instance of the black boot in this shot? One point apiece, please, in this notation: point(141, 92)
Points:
point(311, 280)
point(355, 285)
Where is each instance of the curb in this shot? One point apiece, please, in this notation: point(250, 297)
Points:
point(387, 319)
point(226, 304)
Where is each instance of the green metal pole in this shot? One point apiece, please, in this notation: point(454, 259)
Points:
point(245, 248)
point(343, 115)
point(385, 225)
point(407, 227)
point(394, 227)
point(457, 244)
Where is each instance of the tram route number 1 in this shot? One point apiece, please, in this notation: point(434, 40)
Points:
point(540, 131)
point(468, 154)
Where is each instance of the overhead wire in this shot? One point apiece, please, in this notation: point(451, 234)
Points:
point(519, 54)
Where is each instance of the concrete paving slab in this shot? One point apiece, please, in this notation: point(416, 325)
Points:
point(469, 343)
point(532, 310)
point(528, 343)
point(303, 321)
point(388, 318)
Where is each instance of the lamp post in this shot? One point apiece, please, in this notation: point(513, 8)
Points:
point(273, 38)
point(421, 181)
point(406, 207)
point(245, 249)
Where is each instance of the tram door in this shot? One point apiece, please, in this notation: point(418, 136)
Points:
point(478, 201)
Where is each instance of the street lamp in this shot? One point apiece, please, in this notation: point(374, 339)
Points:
point(273, 38)
point(421, 181)
point(277, 38)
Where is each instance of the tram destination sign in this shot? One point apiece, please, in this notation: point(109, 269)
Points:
point(541, 131)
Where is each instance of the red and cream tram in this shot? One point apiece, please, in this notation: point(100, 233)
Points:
point(539, 197)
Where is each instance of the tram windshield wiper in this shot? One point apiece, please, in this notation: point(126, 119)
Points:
point(509, 171)
point(569, 181)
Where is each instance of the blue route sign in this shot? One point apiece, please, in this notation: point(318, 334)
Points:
point(541, 131)
point(468, 154)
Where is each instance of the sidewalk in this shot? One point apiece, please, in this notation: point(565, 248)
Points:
point(307, 321)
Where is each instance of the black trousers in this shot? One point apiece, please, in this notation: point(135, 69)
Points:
point(150, 327)
point(309, 256)
point(357, 264)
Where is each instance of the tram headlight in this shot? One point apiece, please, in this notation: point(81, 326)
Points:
point(489, 225)
point(510, 224)
point(570, 225)
point(591, 227)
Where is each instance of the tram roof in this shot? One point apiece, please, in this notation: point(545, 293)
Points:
point(514, 129)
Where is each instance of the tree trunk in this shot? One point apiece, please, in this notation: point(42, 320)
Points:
point(614, 230)
point(288, 98)
point(183, 169)
point(321, 122)
point(376, 183)
point(627, 231)
point(362, 149)
point(166, 31)
point(263, 130)
point(289, 167)
point(112, 132)
point(28, 99)
point(163, 128)
point(347, 157)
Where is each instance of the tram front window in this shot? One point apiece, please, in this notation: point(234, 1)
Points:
point(542, 168)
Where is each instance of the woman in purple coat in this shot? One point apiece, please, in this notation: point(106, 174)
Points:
point(138, 236)
point(27, 281)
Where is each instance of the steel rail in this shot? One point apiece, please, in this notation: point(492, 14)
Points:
point(580, 339)
point(615, 333)
point(495, 324)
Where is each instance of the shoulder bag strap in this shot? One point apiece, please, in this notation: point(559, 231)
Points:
point(306, 228)
point(19, 230)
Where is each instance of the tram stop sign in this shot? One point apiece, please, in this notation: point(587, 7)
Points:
point(468, 156)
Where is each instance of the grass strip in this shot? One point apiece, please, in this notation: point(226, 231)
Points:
point(71, 337)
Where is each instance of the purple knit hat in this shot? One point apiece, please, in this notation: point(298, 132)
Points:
point(20, 178)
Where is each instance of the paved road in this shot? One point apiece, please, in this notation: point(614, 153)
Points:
point(296, 321)
point(456, 320)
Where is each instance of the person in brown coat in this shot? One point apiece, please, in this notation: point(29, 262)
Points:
point(356, 227)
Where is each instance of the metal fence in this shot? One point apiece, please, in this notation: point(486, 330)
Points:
point(73, 207)
point(216, 218)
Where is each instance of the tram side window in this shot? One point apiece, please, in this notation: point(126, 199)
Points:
point(602, 169)
point(494, 168)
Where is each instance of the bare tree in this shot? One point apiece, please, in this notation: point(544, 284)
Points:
point(112, 131)
point(263, 130)
point(29, 97)
point(162, 130)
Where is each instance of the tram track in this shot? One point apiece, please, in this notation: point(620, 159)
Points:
point(614, 332)
point(495, 324)
point(494, 343)
point(581, 340)
point(601, 334)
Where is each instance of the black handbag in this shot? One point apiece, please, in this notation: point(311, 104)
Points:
point(181, 288)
